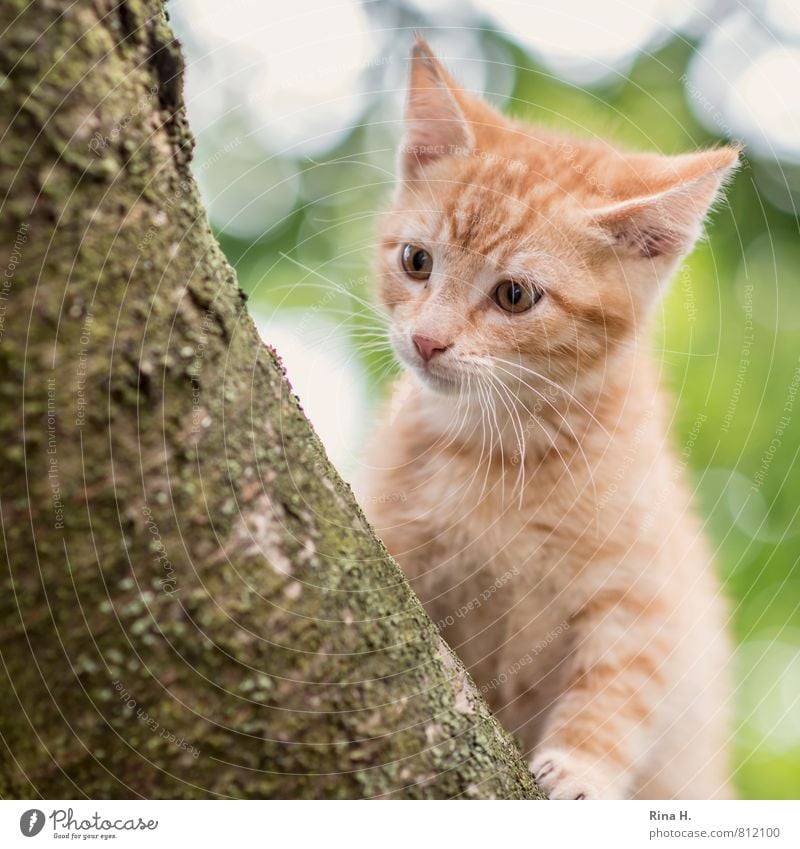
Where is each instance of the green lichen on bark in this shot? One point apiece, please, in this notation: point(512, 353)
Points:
point(192, 604)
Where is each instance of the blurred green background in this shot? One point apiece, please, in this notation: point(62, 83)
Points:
point(297, 114)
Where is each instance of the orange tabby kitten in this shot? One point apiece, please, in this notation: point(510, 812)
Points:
point(523, 479)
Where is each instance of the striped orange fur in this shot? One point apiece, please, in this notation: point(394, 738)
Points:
point(523, 477)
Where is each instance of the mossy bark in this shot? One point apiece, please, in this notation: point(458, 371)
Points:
point(192, 604)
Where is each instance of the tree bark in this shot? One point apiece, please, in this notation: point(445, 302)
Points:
point(192, 603)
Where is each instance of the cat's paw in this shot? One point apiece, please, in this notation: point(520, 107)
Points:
point(570, 775)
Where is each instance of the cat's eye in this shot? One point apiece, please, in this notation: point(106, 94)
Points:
point(417, 262)
point(516, 297)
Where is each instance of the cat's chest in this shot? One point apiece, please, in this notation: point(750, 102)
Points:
point(496, 510)
point(490, 564)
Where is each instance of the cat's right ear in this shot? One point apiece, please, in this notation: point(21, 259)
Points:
point(666, 220)
point(435, 124)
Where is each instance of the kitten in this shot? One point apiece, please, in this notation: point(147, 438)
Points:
point(524, 479)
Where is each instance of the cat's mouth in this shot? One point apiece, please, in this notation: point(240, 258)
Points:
point(442, 374)
point(442, 380)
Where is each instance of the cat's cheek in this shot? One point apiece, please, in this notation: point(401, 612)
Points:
point(399, 338)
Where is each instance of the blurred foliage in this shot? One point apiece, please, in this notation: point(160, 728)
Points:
point(725, 354)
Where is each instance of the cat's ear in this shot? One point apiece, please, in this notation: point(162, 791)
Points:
point(666, 219)
point(435, 124)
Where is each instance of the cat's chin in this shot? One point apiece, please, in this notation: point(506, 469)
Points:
point(443, 384)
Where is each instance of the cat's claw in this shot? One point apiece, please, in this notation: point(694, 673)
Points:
point(564, 775)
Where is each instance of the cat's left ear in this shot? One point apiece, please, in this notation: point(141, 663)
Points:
point(435, 123)
point(665, 220)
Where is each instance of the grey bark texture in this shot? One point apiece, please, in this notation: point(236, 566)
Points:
point(192, 604)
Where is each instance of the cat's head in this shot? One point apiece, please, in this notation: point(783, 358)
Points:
point(507, 247)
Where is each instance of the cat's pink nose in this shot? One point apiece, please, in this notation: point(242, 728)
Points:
point(427, 347)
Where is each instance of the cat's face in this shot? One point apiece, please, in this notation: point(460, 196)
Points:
point(478, 277)
point(515, 252)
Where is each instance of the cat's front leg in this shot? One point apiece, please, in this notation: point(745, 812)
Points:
point(598, 730)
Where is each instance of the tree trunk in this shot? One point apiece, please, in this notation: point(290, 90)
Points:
point(192, 603)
